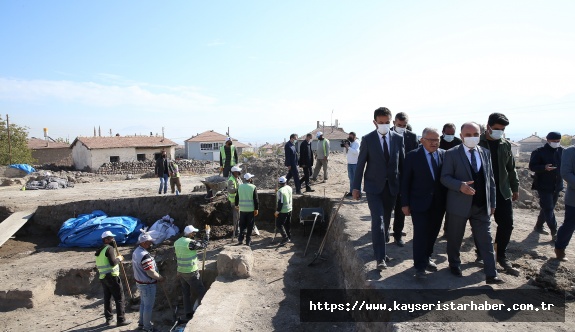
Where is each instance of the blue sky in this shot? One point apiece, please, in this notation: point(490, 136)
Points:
point(267, 69)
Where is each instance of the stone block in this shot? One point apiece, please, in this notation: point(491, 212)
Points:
point(235, 261)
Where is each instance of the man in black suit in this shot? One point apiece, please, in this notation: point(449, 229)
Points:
point(423, 198)
point(291, 162)
point(468, 175)
point(381, 155)
point(306, 161)
point(410, 141)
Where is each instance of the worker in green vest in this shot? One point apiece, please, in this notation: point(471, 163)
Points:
point(186, 249)
point(283, 212)
point(247, 203)
point(228, 157)
point(109, 271)
point(234, 182)
point(322, 154)
point(174, 171)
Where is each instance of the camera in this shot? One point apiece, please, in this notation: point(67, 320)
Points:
point(344, 142)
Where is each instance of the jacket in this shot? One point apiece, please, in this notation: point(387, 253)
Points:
point(550, 181)
point(508, 180)
point(305, 154)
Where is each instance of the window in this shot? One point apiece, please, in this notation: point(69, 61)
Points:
point(114, 159)
point(210, 146)
point(141, 156)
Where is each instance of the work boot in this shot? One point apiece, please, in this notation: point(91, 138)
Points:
point(504, 263)
point(308, 189)
point(560, 254)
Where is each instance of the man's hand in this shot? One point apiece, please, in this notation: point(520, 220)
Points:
point(289, 168)
point(120, 258)
point(325, 158)
point(276, 214)
point(256, 213)
point(356, 194)
point(406, 210)
point(492, 212)
point(550, 167)
point(466, 189)
point(208, 228)
point(515, 196)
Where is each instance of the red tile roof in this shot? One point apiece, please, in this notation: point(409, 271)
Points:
point(99, 142)
point(211, 136)
point(39, 144)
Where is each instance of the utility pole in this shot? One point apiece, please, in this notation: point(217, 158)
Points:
point(9, 141)
point(162, 134)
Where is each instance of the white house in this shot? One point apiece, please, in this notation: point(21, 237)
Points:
point(91, 152)
point(531, 143)
point(515, 148)
point(206, 146)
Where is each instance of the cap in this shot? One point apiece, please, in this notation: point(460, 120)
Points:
point(282, 179)
point(554, 135)
point(248, 176)
point(190, 229)
point(107, 234)
point(145, 237)
point(236, 169)
point(318, 134)
point(228, 139)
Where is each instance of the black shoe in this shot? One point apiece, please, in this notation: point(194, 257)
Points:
point(504, 263)
point(239, 243)
point(431, 267)
point(298, 192)
point(309, 190)
point(109, 321)
point(399, 242)
point(420, 274)
point(494, 280)
point(381, 265)
point(284, 240)
point(249, 244)
point(456, 270)
point(124, 323)
point(479, 261)
point(387, 259)
point(349, 194)
point(540, 230)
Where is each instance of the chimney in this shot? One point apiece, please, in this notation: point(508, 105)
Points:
point(99, 131)
point(317, 125)
point(336, 123)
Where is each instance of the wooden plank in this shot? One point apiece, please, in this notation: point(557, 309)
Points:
point(13, 223)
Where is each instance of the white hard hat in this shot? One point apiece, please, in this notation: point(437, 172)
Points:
point(107, 234)
point(145, 237)
point(236, 169)
point(319, 133)
point(282, 179)
point(228, 139)
point(248, 176)
point(190, 229)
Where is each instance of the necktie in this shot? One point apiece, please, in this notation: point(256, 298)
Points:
point(433, 165)
point(385, 149)
point(473, 160)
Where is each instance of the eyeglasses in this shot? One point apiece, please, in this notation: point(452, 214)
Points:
point(431, 140)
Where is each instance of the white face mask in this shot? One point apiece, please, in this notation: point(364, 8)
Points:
point(400, 130)
point(383, 129)
point(471, 142)
point(554, 145)
point(448, 138)
point(496, 134)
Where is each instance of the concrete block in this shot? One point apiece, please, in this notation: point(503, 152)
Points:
point(235, 261)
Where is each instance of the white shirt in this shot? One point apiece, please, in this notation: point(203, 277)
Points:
point(353, 152)
point(477, 157)
point(387, 140)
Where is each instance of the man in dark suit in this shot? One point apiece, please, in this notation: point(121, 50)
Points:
point(381, 155)
point(423, 198)
point(306, 161)
point(410, 142)
point(291, 162)
point(468, 175)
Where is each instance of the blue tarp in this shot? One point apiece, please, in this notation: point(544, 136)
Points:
point(86, 230)
point(25, 167)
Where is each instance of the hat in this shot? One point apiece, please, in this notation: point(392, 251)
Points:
point(236, 169)
point(107, 234)
point(318, 134)
point(248, 176)
point(554, 135)
point(228, 139)
point(190, 229)
point(144, 237)
point(282, 179)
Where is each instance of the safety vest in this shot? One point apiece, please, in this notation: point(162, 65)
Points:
point(233, 153)
point(236, 182)
point(175, 170)
point(246, 192)
point(103, 264)
point(187, 259)
point(324, 143)
point(286, 193)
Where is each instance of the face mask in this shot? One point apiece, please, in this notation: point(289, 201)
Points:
point(496, 134)
point(448, 138)
point(383, 129)
point(400, 130)
point(554, 145)
point(471, 142)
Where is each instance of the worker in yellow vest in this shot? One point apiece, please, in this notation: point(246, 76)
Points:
point(186, 249)
point(322, 155)
point(283, 212)
point(234, 182)
point(228, 157)
point(174, 171)
point(247, 203)
point(109, 271)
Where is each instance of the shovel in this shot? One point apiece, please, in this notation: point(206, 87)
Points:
point(316, 214)
point(133, 300)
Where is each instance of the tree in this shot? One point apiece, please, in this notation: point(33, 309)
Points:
point(21, 154)
point(566, 140)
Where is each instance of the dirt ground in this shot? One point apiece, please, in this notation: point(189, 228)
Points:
point(271, 301)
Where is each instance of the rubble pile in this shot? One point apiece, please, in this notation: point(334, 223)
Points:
point(140, 167)
point(266, 171)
